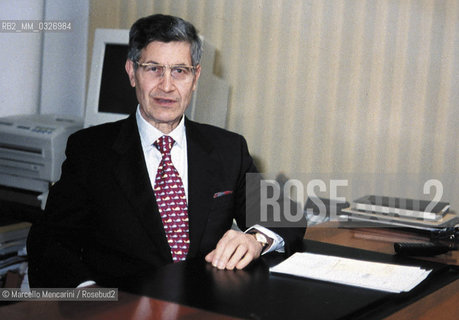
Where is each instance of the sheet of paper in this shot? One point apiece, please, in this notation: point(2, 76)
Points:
point(360, 273)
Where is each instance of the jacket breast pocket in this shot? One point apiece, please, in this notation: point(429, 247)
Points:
point(221, 215)
point(223, 202)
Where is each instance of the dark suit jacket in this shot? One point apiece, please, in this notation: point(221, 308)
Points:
point(101, 220)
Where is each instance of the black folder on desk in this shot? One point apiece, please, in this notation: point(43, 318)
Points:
point(256, 294)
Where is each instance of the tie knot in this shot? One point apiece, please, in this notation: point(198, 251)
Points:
point(164, 144)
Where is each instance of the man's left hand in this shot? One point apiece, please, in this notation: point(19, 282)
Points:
point(234, 250)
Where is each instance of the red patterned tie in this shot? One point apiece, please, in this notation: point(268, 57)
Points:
point(171, 200)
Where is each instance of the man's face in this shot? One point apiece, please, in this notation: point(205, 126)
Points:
point(163, 100)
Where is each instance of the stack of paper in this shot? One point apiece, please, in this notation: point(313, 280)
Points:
point(409, 208)
point(365, 274)
point(13, 237)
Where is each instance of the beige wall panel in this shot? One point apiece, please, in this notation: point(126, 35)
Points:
point(332, 86)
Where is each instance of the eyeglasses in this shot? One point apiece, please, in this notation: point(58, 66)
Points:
point(178, 72)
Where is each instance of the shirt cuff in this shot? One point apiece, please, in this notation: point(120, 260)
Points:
point(278, 242)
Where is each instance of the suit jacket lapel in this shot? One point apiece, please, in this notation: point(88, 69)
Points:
point(201, 181)
point(132, 176)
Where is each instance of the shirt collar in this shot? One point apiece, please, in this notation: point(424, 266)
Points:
point(149, 134)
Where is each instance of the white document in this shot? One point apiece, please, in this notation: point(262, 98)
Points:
point(360, 273)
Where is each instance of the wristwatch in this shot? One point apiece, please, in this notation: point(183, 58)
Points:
point(261, 238)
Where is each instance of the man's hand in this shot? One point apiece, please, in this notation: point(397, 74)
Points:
point(234, 250)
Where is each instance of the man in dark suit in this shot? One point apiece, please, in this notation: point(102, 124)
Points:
point(152, 189)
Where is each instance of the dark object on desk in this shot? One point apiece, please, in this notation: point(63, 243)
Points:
point(449, 235)
point(420, 249)
point(442, 241)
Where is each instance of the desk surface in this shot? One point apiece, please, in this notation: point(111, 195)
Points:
point(374, 239)
point(441, 304)
point(255, 293)
point(195, 290)
point(128, 306)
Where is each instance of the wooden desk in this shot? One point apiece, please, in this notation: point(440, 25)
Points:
point(373, 239)
point(441, 304)
point(128, 306)
point(193, 289)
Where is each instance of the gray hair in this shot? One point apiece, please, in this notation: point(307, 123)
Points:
point(163, 28)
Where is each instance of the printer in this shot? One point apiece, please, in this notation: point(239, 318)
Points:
point(32, 150)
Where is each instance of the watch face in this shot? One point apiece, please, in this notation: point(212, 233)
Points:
point(261, 238)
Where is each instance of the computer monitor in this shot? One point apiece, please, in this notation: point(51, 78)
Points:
point(111, 97)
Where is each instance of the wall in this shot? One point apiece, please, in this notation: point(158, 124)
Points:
point(63, 88)
point(44, 72)
point(345, 87)
point(20, 60)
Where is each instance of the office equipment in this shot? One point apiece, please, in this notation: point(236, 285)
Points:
point(11, 263)
point(441, 241)
point(111, 97)
point(420, 249)
point(13, 231)
point(409, 208)
point(32, 151)
point(368, 218)
point(107, 69)
point(13, 237)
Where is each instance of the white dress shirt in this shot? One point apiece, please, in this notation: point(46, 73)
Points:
point(149, 134)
